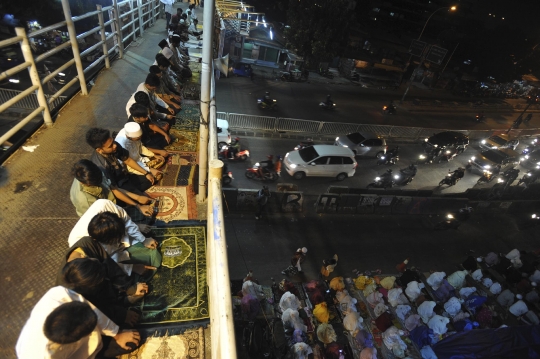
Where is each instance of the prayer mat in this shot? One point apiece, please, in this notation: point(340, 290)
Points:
point(191, 90)
point(178, 289)
point(191, 344)
point(174, 164)
point(185, 141)
point(173, 203)
point(191, 112)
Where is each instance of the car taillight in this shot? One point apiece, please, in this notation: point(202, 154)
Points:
point(355, 165)
point(386, 149)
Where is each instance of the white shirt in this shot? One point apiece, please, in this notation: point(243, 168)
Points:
point(518, 308)
point(133, 234)
point(157, 100)
point(33, 344)
point(192, 28)
point(136, 149)
point(169, 8)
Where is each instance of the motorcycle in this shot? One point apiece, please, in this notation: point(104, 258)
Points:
point(405, 175)
point(508, 177)
point(303, 145)
point(533, 146)
point(389, 109)
point(390, 158)
point(385, 181)
point(451, 179)
point(263, 105)
point(529, 177)
point(241, 155)
point(453, 220)
point(480, 117)
point(486, 177)
point(326, 106)
point(253, 173)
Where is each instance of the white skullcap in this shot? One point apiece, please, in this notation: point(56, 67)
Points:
point(519, 296)
point(479, 259)
point(133, 129)
point(303, 250)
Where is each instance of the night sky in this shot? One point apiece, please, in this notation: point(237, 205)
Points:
point(518, 13)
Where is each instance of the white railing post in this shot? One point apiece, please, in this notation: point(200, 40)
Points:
point(132, 19)
point(103, 36)
point(74, 46)
point(141, 23)
point(34, 76)
point(118, 27)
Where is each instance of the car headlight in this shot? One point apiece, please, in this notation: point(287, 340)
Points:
point(484, 142)
point(488, 172)
point(487, 167)
point(287, 155)
point(427, 139)
point(493, 147)
point(61, 74)
point(449, 175)
point(449, 216)
point(275, 101)
point(435, 145)
point(422, 157)
point(500, 180)
point(377, 178)
point(529, 174)
point(526, 157)
point(473, 158)
point(396, 176)
point(534, 141)
point(293, 166)
point(337, 138)
point(448, 152)
point(382, 157)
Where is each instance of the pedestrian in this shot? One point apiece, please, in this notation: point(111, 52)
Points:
point(168, 15)
point(296, 262)
point(329, 265)
point(262, 201)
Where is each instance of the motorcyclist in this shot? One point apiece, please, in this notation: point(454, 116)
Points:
point(410, 171)
point(277, 165)
point(266, 166)
point(267, 98)
point(234, 147)
point(393, 152)
point(387, 176)
point(458, 174)
point(528, 118)
point(329, 102)
point(511, 175)
point(391, 107)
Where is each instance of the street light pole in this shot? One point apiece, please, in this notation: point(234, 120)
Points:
point(422, 58)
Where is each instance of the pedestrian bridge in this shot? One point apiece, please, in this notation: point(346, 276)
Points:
point(37, 215)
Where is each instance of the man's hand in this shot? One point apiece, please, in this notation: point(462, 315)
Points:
point(150, 243)
point(162, 153)
point(144, 228)
point(171, 110)
point(159, 157)
point(167, 138)
point(142, 288)
point(146, 210)
point(132, 317)
point(149, 176)
point(170, 117)
point(177, 97)
point(127, 336)
point(155, 172)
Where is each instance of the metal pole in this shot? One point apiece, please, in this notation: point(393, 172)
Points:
point(452, 54)
point(34, 76)
point(520, 116)
point(141, 23)
point(74, 46)
point(206, 78)
point(103, 36)
point(118, 25)
point(133, 22)
point(412, 77)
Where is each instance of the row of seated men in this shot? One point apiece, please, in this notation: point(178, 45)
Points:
point(109, 259)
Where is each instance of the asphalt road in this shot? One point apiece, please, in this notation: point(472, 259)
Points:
point(354, 105)
point(427, 178)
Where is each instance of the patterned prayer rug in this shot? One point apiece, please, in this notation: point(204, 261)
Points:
point(178, 289)
point(173, 166)
point(191, 344)
point(186, 141)
point(191, 113)
point(173, 203)
point(191, 90)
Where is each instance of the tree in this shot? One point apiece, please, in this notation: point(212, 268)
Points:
point(318, 30)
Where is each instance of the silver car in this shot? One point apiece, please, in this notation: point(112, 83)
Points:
point(498, 142)
point(362, 146)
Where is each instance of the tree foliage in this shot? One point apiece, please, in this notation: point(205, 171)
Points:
point(318, 29)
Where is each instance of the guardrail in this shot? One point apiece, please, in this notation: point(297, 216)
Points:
point(278, 124)
point(116, 27)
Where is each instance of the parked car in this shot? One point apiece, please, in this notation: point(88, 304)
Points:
point(224, 137)
point(321, 161)
point(362, 146)
point(450, 140)
point(488, 160)
point(498, 142)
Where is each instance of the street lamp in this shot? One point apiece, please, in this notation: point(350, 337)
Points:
point(422, 58)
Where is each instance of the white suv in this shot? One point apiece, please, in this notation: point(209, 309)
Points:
point(321, 161)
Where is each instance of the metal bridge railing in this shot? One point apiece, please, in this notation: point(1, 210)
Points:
point(36, 49)
point(278, 124)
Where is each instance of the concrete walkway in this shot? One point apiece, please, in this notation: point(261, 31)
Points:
point(36, 214)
